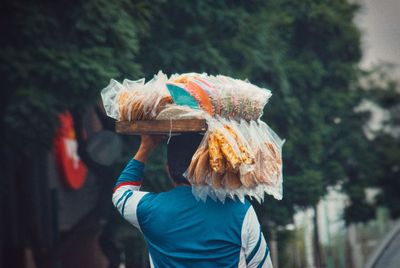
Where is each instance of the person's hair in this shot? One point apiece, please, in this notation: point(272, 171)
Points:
point(180, 151)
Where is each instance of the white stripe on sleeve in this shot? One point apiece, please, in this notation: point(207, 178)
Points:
point(268, 262)
point(126, 199)
point(254, 247)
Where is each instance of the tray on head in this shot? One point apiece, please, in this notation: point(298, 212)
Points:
point(160, 127)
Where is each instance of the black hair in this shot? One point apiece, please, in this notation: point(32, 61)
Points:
point(180, 151)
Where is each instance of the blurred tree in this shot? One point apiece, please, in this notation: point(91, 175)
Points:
point(56, 56)
point(378, 164)
point(305, 51)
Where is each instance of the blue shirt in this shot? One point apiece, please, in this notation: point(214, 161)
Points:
point(181, 231)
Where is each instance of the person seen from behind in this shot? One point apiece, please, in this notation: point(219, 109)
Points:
point(181, 231)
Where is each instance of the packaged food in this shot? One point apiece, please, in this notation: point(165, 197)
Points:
point(136, 100)
point(239, 155)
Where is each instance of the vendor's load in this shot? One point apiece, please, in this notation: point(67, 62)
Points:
point(237, 159)
point(240, 155)
point(136, 100)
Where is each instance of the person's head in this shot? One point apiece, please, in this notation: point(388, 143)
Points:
point(180, 151)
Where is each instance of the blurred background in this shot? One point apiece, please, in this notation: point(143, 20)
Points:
point(332, 66)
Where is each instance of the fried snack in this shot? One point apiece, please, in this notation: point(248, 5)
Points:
point(263, 168)
point(231, 180)
point(132, 106)
point(129, 107)
point(258, 169)
point(275, 161)
point(216, 180)
point(216, 157)
point(271, 171)
point(274, 153)
point(248, 179)
point(163, 102)
point(182, 79)
point(267, 168)
point(202, 168)
point(122, 100)
point(193, 163)
point(227, 150)
point(246, 156)
point(137, 110)
point(230, 168)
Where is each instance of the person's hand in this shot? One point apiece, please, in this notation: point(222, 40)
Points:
point(147, 145)
point(149, 142)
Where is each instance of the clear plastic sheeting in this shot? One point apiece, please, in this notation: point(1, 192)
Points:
point(224, 96)
point(237, 159)
point(136, 100)
point(239, 156)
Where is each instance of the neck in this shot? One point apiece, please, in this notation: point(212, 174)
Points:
point(182, 184)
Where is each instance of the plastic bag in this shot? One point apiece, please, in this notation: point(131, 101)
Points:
point(239, 155)
point(236, 99)
point(240, 162)
point(268, 156)
point(249, 165)
point(199, 168)
point(136, 100)
point(222, 96)
point(178, 112)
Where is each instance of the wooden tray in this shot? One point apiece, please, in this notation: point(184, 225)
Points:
point(160, 127)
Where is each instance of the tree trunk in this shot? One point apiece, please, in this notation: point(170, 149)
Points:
point(317, 246)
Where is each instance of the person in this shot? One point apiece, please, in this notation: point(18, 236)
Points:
point(181, 231)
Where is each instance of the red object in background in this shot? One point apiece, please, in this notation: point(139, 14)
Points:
point(72, 168)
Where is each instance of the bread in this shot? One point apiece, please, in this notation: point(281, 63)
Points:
point(231, 180)
point(193, 163)
point(248, 179)
point(216, 180)
point(201, 168)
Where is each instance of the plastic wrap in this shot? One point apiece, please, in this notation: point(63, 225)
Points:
point(237, 159)
point(177, 112)
point(236, 99)
point(224, 96)
point(219, 96)
point(239, 155)
point(136, 100)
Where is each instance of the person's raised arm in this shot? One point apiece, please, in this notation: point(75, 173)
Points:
point(126, 191)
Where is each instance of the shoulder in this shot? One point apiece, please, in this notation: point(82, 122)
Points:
point(237, 207)
point(250, 218)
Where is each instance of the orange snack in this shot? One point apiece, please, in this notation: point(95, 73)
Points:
point(246, 156)
point(227, 150)
point(122, 101)
point(216, 157)
point(201, 96)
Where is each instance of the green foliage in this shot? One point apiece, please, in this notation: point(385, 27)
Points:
point(306, 52)
point(377, 164)
point(58, 56)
